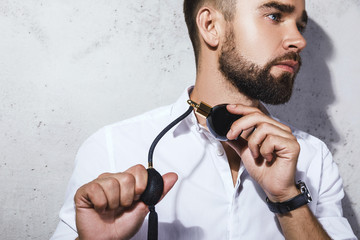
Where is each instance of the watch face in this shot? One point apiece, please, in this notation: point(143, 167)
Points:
point(304, 190)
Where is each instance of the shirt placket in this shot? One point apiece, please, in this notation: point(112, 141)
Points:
point(221, 162)
point(235, 209)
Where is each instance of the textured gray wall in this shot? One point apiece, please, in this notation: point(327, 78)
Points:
point(69, 67)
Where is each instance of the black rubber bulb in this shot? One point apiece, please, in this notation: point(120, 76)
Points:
point(154, 188)
point(220, 120)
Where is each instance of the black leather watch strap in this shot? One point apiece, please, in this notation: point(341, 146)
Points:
point(283, 207)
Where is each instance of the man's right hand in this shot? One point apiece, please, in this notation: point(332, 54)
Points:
point(109, 207)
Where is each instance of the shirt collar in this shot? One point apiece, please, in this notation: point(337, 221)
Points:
point(181, 105)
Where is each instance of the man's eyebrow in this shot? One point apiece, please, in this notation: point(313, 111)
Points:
point(286, 8)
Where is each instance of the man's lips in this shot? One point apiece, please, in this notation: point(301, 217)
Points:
point(288, 65)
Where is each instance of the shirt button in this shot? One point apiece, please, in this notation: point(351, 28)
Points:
point(219, 152)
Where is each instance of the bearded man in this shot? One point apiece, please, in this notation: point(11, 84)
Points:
point(252, 186)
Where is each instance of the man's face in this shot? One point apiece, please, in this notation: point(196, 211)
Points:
point(260, 55)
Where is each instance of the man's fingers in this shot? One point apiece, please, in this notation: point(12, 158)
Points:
point(251, 121)
point(256, 139)
point(91, 195)
point(140, 174)
point(287, 150)
point(242, 109)
point(252, 117)
point(114, 190)
point(169, 181)
point(111, 189)
point(127, 189)
point(119, 189)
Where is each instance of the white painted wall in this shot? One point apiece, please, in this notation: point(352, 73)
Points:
point(68, 67)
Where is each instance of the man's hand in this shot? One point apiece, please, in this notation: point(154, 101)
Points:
point(269, 153)
point(109, 206)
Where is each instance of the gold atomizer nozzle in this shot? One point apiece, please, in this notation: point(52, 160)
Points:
point(203, 109)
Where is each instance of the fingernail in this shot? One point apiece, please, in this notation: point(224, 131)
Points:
point(232, 106)
point(229, 134)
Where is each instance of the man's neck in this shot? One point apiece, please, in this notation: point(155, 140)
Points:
point(214, 90)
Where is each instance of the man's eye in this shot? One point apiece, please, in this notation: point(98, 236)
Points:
point(274, 17)
point(301, 28)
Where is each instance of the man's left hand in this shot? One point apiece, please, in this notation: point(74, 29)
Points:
point(270, 152)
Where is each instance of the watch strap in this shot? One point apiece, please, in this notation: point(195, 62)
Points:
point(283, 207)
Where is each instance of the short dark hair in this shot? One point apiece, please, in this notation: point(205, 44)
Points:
point(191, 8)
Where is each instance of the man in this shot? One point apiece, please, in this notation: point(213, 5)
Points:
point(247, 52)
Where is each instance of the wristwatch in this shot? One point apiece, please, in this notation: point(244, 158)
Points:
point(283, 207)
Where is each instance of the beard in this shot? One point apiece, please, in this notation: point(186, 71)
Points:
point(253, 80)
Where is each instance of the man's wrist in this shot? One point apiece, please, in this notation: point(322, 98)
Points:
point(293, 203)
point(290, 193)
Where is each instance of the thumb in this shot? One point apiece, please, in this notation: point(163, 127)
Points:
point(169, 181)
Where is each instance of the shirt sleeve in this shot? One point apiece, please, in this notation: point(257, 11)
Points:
point(329, 208)
point(92, 159)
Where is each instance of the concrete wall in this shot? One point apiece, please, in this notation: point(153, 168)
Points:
point(69, 67)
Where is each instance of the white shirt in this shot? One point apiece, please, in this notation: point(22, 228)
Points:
point(204, 204)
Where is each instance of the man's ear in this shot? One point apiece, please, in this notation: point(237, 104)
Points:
point(208, 22)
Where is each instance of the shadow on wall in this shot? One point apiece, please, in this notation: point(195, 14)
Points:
point(312, 96)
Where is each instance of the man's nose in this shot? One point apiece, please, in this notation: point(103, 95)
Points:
point(294, 40)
